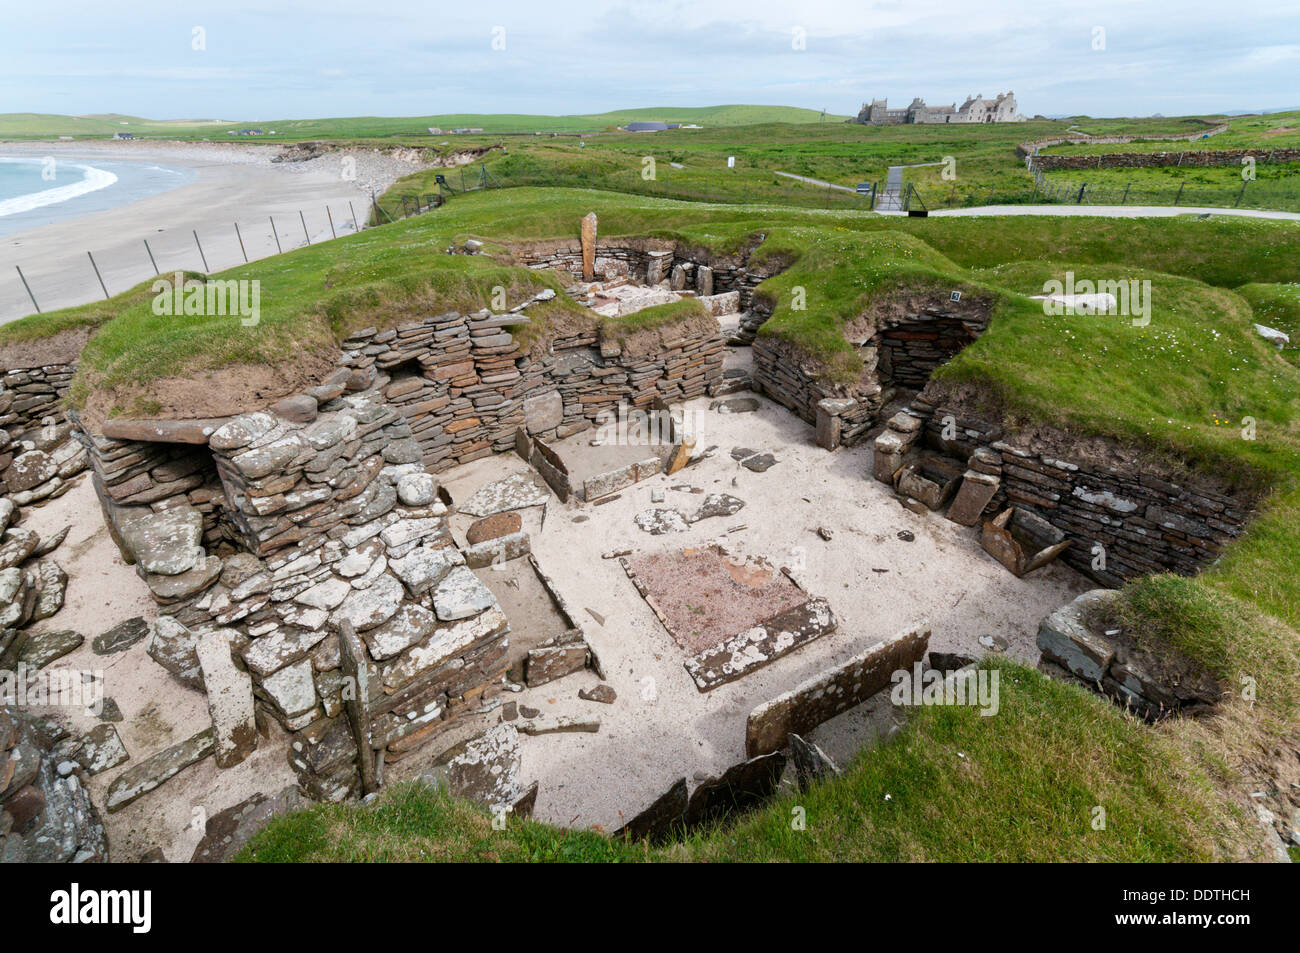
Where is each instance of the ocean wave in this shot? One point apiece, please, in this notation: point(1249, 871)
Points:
point(92, 181)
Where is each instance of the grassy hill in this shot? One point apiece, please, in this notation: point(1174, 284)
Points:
point(40, 126)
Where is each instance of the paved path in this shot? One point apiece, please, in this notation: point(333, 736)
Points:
point(825, 185)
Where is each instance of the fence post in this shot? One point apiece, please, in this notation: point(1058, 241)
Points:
point(333, 234)
point(302, 218)
point(151, 261)
point(1124, 200)
point(1179, 196)
point(1083, 188)
point(241, 243)
point(202, 257)
point(1240, 193)
point(97, 275)
point(276, 236)
point(355, 227)
point(23, 279)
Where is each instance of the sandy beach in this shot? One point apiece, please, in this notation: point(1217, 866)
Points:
point(234, 183)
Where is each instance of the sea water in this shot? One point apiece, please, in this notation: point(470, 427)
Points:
point(41, 190)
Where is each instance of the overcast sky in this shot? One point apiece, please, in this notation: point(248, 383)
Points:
point(281, 59)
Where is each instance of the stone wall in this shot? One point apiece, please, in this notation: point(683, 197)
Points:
point(36, 456)
point(1026, 149)
point(909, 349)
point(465, 388)
point(1191, 159)
point(1146, 522)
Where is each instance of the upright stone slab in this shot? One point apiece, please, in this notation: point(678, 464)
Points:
point(836, 690)
point(230, 698)
point(589, 247)
point(357, 667)
point(977, 489)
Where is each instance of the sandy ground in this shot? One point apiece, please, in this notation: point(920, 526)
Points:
point(236, 183)
point(157, 710)
point(661, 728)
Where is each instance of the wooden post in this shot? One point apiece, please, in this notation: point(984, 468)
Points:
point(1124, 200)
point(151, 261)
point(276, 235)
point(302, 218)
point(333, 234)
point(97, 275)
point(1179, 196)
point(241, 243)
point(355, 227)
point(357, 668)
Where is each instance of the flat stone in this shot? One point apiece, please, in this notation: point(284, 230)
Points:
point(367, 608)
point(493, 552)
point(543, 412)
point(182, 585)
point(292, 689)
point(404, 531)
point(166, 543)
point(270, 653)
point(759, 462)
point(422, 569)
point(515, 492)
point(29, 470)
point(493, 527)
point(741, 787)
point(173, 647)
point(197, 432)
point(1065, 638)
point(406, 450)
point(460, 595)
point(761, 645)
point(121, 637)
point(410, 624)
point(325, 595)
point(100, 749)
point(329, 431)
point(139, 780)
point(300, 408)
point(602, 693)
point(230, 698)
point(487, 772)
point(833, 691)
point(42, 648)
point(19, 543)
point(718, 504)
point(559, 724)
point(657, 522)
point(52, 585)
point(662, 820)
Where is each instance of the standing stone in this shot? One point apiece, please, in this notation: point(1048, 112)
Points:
point(230, 699)
point(589, 247)
point(703, 280)
point(352, 653)
point(977, 489)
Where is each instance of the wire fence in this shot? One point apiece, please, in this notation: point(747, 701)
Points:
point(43, 286)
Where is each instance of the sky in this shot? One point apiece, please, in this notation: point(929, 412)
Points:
point(285, 59)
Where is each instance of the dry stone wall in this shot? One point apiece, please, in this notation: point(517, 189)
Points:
point(1144, 522)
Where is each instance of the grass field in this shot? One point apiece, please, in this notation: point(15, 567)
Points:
point(43, 126)
point(1168, 387)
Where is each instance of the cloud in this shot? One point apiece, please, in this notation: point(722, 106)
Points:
point(401, 57)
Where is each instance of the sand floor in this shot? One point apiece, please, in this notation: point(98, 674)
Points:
point(661, 728)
